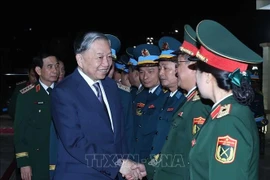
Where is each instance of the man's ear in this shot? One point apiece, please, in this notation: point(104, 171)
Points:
point(38, 70)
point(79, 60)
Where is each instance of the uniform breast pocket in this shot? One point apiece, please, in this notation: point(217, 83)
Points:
point(149, 110)
point(150, 127)
point(40, 117)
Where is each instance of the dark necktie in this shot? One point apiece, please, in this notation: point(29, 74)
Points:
point(49, 89)
point(100, 97)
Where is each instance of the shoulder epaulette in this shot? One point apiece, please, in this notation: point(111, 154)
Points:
point(123, 87)
point(21, 82)
point(27, 88)
point(224, 110)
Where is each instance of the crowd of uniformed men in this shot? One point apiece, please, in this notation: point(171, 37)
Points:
point(161, 103)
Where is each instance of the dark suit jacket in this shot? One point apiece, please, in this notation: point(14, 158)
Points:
point(88, 147)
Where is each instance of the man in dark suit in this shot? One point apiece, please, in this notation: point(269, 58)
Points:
point(88, 117)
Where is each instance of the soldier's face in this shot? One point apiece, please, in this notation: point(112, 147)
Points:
point(49, 72)
point(186, 77)
point(167, 74)
point(133, 77)
point(62, 71)
point(96, 61)
point(149, 76)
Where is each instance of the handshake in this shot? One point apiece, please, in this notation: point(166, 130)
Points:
point(131, 170)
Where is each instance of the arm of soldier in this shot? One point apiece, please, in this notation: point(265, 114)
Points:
point(69, 130)
point(150, 167)
point(20, 128)
point(233, 148)
point(128, 124)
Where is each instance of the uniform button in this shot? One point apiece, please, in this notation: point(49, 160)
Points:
point(152, 148)
point(160, 118)
point(140, 126)
point(187, 162)
point(37, 149)
point(161, 109)
point(157, 133)
point(137, 139)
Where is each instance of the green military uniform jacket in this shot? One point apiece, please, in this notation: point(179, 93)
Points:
point(13, 99)
point(32, 130)
point(173, 162)
point(227, 147)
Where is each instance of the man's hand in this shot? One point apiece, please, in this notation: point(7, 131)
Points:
point(129, 173)
point(26, 173)
point(139, 168)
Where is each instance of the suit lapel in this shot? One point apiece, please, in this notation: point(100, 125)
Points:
point(111, 100)
point(89, 97)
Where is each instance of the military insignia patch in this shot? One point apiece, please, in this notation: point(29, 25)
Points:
point(170, 109)
point(191, 95)
point(155, 161)
point(193, 142)
point(224, 110)
point(27, 88)
point(225, 149)
point(165, 90)
point(197, 124)
point(123, 87)
point(152, 106)
point(196, 97)
point(145, 52)
point(180, 114)
point(38, 88)
point(215, 112)
point(165, 46)
point(139, 109)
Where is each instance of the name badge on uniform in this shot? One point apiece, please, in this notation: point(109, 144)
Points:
point(39, 102)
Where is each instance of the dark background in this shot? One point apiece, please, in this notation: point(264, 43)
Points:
point(28, 27)
point(25, 28)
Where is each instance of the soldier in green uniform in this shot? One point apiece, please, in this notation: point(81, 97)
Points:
point(173, 162)
point(227, 147)
point(31, 80)
point(33, 120)
point(168, 78)
point(187, 120)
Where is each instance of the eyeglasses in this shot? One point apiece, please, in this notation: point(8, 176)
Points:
point(182, 61)
point(178, 62)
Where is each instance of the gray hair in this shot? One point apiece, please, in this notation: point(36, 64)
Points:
point(84, 42)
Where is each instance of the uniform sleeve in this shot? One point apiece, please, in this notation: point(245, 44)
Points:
point(150, 168)
point(234, 151)
point(20, 127)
